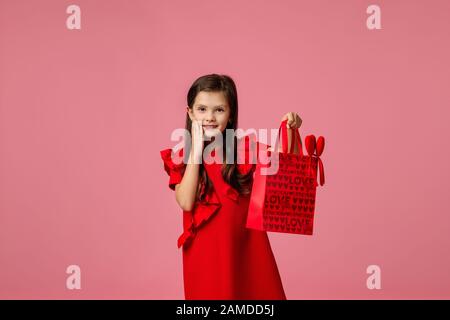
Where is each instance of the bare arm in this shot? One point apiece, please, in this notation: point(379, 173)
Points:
point(186, 190)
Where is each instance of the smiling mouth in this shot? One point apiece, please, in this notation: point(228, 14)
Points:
point(210, 127)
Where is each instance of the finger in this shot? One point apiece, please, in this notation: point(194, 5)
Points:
point(290, 116)
point(293, 115)
point(296, 121)
point(199, 129)
point(290, 119)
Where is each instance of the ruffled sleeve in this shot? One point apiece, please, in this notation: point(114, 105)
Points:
point(202, 212)
point(174, 170)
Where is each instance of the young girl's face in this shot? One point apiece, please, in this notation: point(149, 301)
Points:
point(212, 109)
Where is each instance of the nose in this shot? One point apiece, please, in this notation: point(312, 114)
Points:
point(210, 118)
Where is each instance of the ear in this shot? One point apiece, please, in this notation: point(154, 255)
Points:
point(190, 114)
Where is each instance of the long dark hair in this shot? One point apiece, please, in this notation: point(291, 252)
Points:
point(220, 83)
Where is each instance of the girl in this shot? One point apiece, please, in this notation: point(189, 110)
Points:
point(222, 259)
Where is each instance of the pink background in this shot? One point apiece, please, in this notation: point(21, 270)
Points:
point(84, 113)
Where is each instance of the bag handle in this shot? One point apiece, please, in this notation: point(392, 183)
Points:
point(284, 139)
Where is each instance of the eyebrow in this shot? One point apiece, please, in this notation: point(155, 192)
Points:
point(201, 105)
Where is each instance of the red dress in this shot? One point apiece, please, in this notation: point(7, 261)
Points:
point(222, 259)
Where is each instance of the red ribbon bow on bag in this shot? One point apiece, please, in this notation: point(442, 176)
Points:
point(311, 146)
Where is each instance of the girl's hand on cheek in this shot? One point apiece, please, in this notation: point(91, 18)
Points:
point(293, 120)
point(197, 141)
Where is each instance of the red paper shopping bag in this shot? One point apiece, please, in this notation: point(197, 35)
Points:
point(285, 201)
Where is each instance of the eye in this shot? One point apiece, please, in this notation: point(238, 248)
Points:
point(220, 110)
point(201, 108)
